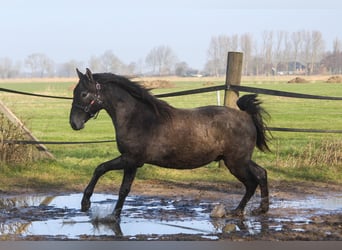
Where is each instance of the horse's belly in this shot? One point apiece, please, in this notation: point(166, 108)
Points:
point(185, 158)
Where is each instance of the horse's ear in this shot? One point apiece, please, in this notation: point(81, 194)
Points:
point(89, 75)
point(79, 73)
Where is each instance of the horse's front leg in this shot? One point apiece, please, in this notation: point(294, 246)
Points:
point(115, 164)
point(128, 178)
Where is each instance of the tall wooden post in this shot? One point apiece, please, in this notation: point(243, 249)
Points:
point(233, 77)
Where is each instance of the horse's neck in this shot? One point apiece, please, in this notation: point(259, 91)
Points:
point(125, 110)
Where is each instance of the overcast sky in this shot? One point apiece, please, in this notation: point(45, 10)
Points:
point(66, 29)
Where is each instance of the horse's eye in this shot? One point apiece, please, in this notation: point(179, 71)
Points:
point(84, 94)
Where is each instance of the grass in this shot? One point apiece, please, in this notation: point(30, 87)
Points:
point(294, 156)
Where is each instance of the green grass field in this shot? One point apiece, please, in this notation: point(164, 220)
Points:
point(294, 156)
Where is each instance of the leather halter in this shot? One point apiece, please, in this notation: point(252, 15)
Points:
point(96, 101)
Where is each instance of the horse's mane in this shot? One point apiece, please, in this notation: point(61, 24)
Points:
point(135, 89)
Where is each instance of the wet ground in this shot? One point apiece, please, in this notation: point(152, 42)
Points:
point(48, 217)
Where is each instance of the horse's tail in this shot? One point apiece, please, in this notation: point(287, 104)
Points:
point(251, 105)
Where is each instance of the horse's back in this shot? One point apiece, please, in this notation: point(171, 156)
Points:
point(195, 137)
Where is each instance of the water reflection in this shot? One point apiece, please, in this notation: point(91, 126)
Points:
point(60, 216)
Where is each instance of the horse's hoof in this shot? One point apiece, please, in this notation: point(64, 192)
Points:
point(109, 219)
point(85, 205)
point(235, 213)
point(259, 211)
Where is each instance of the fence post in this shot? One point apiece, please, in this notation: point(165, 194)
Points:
point(233, 77)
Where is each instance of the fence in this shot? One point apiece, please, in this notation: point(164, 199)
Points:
point(231, 88)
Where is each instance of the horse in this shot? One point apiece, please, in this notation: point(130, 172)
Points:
point(151, 131)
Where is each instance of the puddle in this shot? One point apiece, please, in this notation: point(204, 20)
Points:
point(323, 204)
point(60, 216)
point(151, 218)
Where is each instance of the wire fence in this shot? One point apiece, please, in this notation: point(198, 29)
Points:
point(189, 92)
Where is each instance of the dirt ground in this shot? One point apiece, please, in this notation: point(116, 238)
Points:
point(310, 223)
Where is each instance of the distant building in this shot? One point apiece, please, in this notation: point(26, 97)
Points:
point(291, 68)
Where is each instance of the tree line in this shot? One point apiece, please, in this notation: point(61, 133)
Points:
point(280, 52)
point(273, 52)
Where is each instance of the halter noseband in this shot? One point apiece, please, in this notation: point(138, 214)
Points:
point(96, 100)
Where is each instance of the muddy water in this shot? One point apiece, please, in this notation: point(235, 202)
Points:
point(155, 218)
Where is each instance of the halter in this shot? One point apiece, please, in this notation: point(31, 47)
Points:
point(97, 100)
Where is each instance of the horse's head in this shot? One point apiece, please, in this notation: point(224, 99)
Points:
point(86, 100)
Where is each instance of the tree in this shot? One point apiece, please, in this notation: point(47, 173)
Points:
point(306, 50)
point(7, 69)
point(67, 69)
point(110, 62)
point(333, 60)
point(107, 62)
point(161, 59)
point(95, 64)
point(297, 42)
point(278, 50)
point(287, 52)
point(217, 53)
point(40, 65)
point(317, 46)
point(181, 69)
point(267, 51)
point(312, 50)
point(246, 42)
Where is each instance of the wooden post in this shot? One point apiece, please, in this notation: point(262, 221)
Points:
point(233, 77)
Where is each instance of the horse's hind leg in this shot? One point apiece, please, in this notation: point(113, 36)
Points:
point(243, 173)
point(261, 175)
point(251, 175)
point(128, 178)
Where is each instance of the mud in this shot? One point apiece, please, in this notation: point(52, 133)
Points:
point(313, 214)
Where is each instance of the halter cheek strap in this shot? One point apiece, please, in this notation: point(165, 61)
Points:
point(96, 100)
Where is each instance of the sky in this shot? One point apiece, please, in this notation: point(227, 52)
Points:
point(67, 30)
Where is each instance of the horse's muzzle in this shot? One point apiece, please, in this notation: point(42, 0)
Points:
point(76, 121)
point(76, 125)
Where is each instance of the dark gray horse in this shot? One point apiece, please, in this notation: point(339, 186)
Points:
point(149, 130)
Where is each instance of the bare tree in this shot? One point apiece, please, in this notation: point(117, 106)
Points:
point(297, 42)
point(234, 45)
point(111, 63)
point(67, 69)
point(287, 52)
point(246, 44)
point(333, 60)
point(161, 59)
point(337, 55)
point(214, 56)
point(317, 45)
point(313, 46)
point(217, 53)
point(40, 65)
point(181, 69)
point(337, 45)
point(95, 64)
point(306, 50)
point(278, 49)
point(107, 62)
point(7, 69)
point(267, 51)
point(256, 60)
